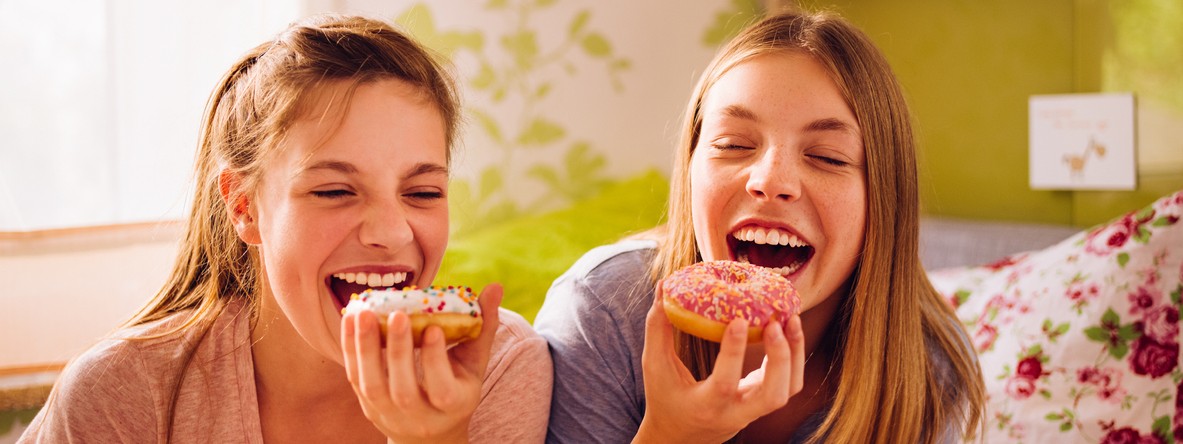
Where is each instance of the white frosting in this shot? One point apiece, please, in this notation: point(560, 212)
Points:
point(412, 300)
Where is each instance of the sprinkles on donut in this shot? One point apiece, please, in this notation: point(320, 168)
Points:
point(703, 298)
point(454, 309)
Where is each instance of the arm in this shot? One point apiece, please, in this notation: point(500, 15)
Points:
point(515, 401)
point(595, 346)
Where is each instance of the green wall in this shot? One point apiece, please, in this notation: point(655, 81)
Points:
point(968, 68)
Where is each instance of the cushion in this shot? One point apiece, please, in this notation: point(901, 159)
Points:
point(1079, 342)
point(526, 254)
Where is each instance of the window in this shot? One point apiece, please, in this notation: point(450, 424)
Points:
point(102, 102)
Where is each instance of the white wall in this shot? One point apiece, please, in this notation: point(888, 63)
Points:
point(101, 102)
point(61, 293)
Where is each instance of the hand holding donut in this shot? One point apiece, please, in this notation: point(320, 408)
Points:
point(681, 409)
point(436, 408)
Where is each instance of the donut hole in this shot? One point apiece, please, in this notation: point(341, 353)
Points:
point(786, 259)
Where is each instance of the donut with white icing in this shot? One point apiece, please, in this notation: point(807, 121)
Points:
point(454, 309)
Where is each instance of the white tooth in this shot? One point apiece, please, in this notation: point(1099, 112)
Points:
point(784, 238)
point(400, 277)
point(773, 237)
point(796, 242)
point(362, 278)
point(374, 279)
point(349, 277)
point(743, 258)
point(388, 279)
point(760, 236)
point(337, 275)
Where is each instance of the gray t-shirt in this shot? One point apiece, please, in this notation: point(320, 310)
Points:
point(594, 320)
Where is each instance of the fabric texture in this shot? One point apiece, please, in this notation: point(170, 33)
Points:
point(1079, 342)
point(594, 320)
point(121, 390)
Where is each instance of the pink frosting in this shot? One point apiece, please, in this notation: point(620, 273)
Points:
point(726, 290)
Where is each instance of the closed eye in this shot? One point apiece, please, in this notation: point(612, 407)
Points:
point(730, 147)
point(830, 160)
point(425, 195)
point(332, 194)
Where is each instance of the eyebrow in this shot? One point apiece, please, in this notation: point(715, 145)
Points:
point(831, 124)
point(740, 112)
point(426, 168)
point(348, 168)
point(820, 125)
point(331, 165)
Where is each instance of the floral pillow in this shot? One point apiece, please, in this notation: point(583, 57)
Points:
point(1079, 342)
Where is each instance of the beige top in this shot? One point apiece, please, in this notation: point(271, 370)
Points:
point(121, 390)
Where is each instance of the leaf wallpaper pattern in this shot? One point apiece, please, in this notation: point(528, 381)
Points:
point(518, 53)
point(525, 79)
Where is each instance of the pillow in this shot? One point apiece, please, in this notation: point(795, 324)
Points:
point(1079, 342)
point(526, 254)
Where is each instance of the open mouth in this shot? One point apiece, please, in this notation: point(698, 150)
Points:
point(781, 251)
point(345, 285)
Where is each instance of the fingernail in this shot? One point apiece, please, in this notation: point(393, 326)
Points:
point(778, 334)
point(736, 328)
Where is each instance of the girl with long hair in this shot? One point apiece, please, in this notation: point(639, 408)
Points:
point(797, 155)
point(324, 153)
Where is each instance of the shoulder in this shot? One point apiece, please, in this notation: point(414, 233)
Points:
point(515, 338)
point(624, 258)
point(115, 387)
point(610, 281)
point(129, 354)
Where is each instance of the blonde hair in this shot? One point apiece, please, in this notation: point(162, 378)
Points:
point(887, 391)
point(246, 118)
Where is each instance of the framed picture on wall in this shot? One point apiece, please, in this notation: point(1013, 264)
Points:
point(1082, 142)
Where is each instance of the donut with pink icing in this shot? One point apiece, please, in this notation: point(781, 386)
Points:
point(454, 309)
point(703, 298)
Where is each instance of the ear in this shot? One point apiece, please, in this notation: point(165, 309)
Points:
point(242, 213)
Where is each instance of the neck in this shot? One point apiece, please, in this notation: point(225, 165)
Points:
point(303, 396)
point(286, 367)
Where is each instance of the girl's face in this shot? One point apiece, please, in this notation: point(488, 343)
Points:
point(778, 178)
point(362, 201)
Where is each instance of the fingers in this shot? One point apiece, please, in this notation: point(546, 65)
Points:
point(659, 334)
point(438, 379)
point(473, 355)
point(795, 336)
point(776, 373)
point(400, 359)
point(728, 369)
point(349, 347)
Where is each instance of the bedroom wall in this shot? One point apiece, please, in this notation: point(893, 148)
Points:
point(563, 97)
point(969, 67)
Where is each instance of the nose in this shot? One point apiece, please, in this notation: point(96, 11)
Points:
point(385, 226)
point(774, 176)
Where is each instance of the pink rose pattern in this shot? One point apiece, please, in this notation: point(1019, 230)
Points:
point(1079, 342)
